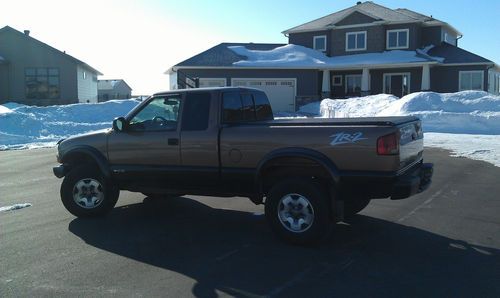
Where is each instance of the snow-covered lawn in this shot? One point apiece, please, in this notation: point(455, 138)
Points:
point(468, 122)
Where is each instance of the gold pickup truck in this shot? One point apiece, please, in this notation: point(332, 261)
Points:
point(309, 173)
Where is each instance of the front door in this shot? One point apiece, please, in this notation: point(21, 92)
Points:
point(397, 84)
point(149, 148)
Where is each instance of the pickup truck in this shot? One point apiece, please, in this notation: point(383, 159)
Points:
point(224, 142)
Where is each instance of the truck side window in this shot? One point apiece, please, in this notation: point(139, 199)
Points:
point(196, 109)
point(232, 109)
point(161, 113)
point(262, 106)
point(248, 107)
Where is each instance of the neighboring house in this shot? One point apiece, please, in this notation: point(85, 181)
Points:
point(34, 73)
point(113, 89)
point(364, 49)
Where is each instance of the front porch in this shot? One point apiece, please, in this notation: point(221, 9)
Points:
point(398, 81)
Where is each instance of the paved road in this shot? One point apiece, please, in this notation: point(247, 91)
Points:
point(444, 242)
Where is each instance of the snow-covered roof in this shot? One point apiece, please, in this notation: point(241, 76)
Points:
point(295, 56)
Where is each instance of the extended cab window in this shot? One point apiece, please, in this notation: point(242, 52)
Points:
point(196, 109)
point(161, 113)
point(232, 107)
point(262, 107)
point(248, 107)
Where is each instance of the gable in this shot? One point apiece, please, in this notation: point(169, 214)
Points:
point(355, 18)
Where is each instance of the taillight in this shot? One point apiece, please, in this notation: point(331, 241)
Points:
point(388, 145)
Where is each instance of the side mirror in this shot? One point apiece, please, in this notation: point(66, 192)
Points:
point(119, 124)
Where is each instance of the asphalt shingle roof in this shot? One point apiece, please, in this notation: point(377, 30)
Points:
point(376, 11)
point(453, 54)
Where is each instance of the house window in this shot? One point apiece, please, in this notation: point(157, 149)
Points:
point(471, 80)
point(337, 80)
point(84, 75)
point(319, 43)
point(398, 39)
point(355, 41)
point(352, 84)
point(42, 83)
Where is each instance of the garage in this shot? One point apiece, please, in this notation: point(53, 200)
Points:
point(281, 92)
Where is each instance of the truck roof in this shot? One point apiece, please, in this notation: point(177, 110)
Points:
point(208, 89)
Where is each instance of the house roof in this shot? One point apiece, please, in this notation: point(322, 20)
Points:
point(237, 55)
point(221, 55)
point(377, 12)
point(110, 84)
point(79, 62)
point(453, 54)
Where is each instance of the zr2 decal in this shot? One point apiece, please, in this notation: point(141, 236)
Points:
point(345, 138)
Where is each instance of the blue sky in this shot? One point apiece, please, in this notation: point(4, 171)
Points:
point(139, 40)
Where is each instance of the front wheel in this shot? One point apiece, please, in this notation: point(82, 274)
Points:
point(298, 211)
point(86, 193)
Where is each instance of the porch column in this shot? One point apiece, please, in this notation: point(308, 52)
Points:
point(365, 82)
point(426, 78)
point(325, 86)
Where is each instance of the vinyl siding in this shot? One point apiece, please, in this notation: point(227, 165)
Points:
point(445, 78)
point(306, 39)
point(87, 87)
point(23, 53)
point(355, 18)
point(430, 35)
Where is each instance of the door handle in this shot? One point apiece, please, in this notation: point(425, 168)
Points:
point(173, 142)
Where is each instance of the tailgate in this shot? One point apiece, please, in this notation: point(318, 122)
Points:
point(411, 143)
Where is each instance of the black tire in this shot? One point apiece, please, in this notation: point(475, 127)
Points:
point(90, 175)
point(354, 206)
point(317, 198)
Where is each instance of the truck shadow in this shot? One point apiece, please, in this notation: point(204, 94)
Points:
point(234, 252)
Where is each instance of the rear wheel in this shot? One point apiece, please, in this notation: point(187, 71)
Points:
point(298, 211)
point(354, 206)
point(86, 193)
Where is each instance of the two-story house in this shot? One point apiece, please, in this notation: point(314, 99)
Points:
point(34, 73)
point(364, 49)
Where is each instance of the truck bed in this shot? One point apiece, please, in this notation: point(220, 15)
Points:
point(379, 121)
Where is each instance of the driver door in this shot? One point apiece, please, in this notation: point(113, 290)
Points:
point(148, 148)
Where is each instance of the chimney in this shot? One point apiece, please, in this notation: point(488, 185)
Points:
point(358, 3)
point(27, 32)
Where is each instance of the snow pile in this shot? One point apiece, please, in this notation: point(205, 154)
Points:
point(15, 207)
point(4, 110)
point(298, 56)
point(24, 126)
point(469, 112)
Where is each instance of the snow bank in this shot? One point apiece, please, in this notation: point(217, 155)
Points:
point(24, 126)
point(298, 56)
point(15, 207)
point(466, 112)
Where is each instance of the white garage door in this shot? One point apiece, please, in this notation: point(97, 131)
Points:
point(281, 92)
point(211, 82)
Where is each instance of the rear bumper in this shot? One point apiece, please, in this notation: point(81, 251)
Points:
point(413, 182)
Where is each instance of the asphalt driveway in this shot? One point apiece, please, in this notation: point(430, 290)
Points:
point(444, 242)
